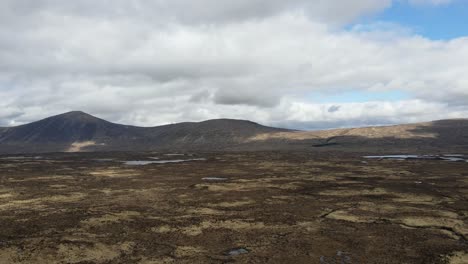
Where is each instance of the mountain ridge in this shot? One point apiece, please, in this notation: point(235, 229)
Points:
point(60, 132)
point(79, 131)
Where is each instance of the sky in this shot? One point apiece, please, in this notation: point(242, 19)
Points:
point(302, 64)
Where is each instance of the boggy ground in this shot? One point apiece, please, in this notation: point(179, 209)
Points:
point(294, 207)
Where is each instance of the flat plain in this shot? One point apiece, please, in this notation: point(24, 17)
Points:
point(237, 207)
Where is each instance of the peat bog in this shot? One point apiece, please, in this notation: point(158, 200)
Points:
point(239, 207)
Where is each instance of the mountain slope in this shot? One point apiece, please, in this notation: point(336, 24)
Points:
point(66, 128)
point(80, 131)
point(442, 135)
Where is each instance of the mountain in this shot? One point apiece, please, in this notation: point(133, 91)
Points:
point(78, 131)
point(65, 128)
point(437, 136)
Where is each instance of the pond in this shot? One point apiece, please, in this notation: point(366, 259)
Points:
point(447, 157)
point(215, 179)
point(147, 162)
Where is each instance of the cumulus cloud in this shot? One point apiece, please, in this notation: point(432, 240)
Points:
point(199, 11)
point(334, 108)
point(154, 62)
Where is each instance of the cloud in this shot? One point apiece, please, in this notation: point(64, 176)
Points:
point(334, 108)
point(199, 11)
point(256, 98)
point(155, 62)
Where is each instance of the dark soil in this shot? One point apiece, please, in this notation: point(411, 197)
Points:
point(274, 207)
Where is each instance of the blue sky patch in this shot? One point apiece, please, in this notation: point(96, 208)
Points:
point(437, 22)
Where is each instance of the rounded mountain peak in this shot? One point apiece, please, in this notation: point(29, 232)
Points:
point(77, 116)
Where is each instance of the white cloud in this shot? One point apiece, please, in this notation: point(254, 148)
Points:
point(137, 63)
point(195, 11)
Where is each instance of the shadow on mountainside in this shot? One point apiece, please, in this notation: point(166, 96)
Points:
point(447, 136)
point(81, 132)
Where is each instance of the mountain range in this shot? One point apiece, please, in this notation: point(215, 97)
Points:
point(77, 131)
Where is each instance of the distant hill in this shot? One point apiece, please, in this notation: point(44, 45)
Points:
point(437, 136)
point(78, 131)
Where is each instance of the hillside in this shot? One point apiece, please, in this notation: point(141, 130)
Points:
point(442, 135)
point(78, 131)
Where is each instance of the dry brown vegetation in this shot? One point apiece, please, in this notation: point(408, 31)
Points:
point(289, 207)
point(400, 131)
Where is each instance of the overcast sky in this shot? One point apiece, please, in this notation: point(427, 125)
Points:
point(304, 64)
